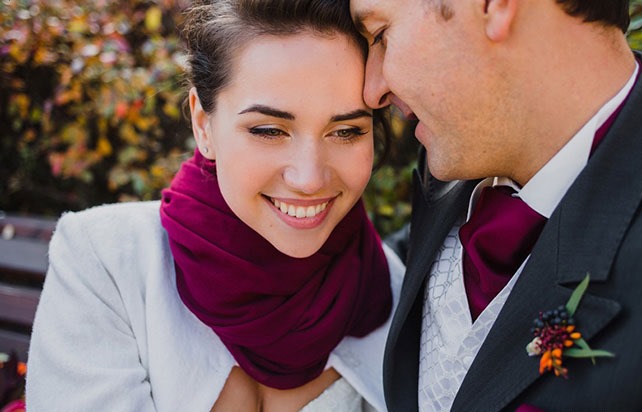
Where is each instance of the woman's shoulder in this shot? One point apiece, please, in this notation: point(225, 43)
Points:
point(109, 223)
point(119, 237)
point(118, 214)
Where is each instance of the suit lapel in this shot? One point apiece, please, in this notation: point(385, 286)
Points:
point(436, 206)
point(583, 235)
point(502, 369)
point(437, 212)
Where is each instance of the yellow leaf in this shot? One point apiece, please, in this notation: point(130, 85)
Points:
point(104, 147)
point(144, 123)
point(18, 53)
point(171, 110)
point(157, 171)
point(128, 134)
point(22, 102)
point(77, 25)
point(153, 19)
point(386, 210)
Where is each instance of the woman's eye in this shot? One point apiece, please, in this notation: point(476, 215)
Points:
point(349, 134)
point(267, 132)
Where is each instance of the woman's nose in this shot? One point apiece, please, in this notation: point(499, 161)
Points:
point(308, 171)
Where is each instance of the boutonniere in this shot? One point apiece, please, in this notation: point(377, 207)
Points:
point(556, 336)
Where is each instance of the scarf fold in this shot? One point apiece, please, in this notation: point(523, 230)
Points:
point(279, 316)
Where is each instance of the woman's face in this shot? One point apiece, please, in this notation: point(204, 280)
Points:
point(291, 136)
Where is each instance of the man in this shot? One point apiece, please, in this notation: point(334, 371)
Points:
point(540, 100)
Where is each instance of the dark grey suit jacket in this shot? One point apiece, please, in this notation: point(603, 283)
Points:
point(597, 228)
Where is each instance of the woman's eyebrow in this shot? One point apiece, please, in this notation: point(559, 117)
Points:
point(355, 114)
point(268, 111)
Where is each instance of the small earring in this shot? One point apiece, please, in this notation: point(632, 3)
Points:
point(205, 150)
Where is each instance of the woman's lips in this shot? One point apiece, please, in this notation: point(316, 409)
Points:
point(301, 214)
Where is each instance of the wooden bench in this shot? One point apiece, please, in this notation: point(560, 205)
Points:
point(23, 263)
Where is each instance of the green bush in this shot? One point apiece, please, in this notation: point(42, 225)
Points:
point(635, 29)
point(90, 108)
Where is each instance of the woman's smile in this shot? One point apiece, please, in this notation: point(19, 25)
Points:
point(301, 213)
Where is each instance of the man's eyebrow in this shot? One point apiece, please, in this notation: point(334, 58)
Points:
point(358, 18)
point(268, 111)
point(355, 114)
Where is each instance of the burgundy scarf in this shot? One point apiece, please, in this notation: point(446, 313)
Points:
point(279, 316)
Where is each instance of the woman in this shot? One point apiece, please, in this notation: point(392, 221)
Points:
point(261, 285)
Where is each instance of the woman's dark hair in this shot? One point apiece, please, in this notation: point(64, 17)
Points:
point(607, 12)
point(215, 30)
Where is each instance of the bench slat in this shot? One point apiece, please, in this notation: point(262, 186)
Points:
point(24, 243)
point(14, 341)
point(18, 304)
point(24, 255)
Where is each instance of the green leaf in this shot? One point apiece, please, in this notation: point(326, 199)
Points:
point(582, 344)
point(587, 353)
point(574, 301)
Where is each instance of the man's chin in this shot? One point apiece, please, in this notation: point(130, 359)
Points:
point(422, 134)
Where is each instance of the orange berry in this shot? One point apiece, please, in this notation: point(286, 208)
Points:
point(545, 362)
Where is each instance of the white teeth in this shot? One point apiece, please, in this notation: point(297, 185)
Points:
point(310, 211)
point(299, 211)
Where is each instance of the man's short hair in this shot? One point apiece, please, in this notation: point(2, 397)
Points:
point(607, 12)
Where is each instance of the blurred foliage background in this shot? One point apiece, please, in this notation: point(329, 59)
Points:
point(90, 108)
point(90, 102)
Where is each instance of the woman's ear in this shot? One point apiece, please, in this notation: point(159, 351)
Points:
point(500, 15)
point(200, 125)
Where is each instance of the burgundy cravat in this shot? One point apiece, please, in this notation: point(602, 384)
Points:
point(498, 237)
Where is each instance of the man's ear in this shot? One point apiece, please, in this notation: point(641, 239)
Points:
point(500, 15)
point(200, 124)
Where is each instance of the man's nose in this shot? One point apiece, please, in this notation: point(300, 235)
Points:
point(375, 91)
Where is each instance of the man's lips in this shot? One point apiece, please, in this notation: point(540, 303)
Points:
point(405, 110)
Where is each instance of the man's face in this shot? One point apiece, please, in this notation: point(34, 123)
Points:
point(431, 61)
